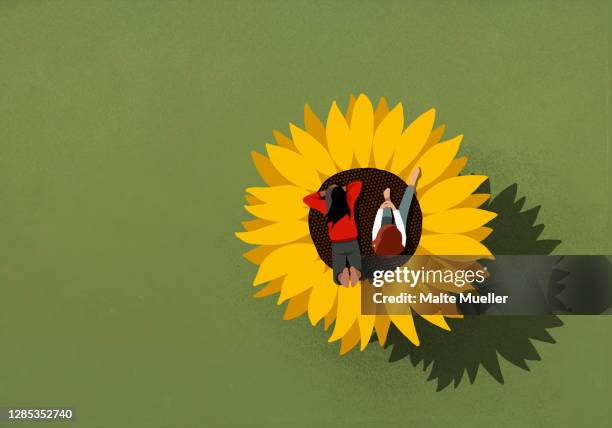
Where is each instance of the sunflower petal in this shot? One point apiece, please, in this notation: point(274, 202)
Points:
point(457, 220)
point(432, 140)
point(278, 194)
point(252, 199)
point(388, 136)
point(435, 160)
point(278, 203)
point(349, 108)
point(271, 288)
point(322, 298)
point(258, 254)
point(314, 126)
point(350, 339)
point(479, 234)
point(276, 233)
point(266, 170)
point(382, 109)
point(339, 138)
point(453, 245)
point(474, 201)
point(330, 317)
point(294, 167)
point(297, 306)
point(284, 259)
point(405, 324)
point(366, 325)
point(255, 224)
point(282, 140)
point(412, 141)
point(437, 320)
point(449, 193)
point(296, 282)
point(278, 212)
point(362, 129)
point(313, 151)
point(349, 306)
point(435, 137)
point(381, 324)
point(453, 170)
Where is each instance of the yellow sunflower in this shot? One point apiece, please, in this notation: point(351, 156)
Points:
point(364, 137)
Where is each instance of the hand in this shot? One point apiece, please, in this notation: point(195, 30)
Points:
point(388, 204)
point(387, 194)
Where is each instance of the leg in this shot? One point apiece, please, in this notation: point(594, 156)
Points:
point(340, 271)
point(354, 275)
point(387, 217)
point(404, 207)
point(344, 278)
point(354, 259)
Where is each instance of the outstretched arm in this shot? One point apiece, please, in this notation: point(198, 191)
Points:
point(316, 202)
point(352, 193)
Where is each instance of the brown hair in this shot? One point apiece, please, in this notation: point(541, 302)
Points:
point(388, 241)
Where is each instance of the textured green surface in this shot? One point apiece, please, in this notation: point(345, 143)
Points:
point(125, 132)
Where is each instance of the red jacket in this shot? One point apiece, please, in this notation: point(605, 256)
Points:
point(345, 229)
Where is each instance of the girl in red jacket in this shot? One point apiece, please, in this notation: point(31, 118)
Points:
point(337, 204)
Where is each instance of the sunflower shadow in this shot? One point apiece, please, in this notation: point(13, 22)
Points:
point(477, 340)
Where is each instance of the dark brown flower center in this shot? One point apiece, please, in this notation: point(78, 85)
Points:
point(375, 181)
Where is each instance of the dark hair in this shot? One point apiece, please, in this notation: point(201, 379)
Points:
point(339, 206)
point(388, 242)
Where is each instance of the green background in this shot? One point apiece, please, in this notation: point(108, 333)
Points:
point(125, 133)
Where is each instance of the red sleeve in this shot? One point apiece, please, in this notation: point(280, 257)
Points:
point(315, 202)
point(352, 193)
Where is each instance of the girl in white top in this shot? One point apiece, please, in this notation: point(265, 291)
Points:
point(389, 229)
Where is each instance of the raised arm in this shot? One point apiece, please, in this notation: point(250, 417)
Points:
point(353, 190)
point(315, 202)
